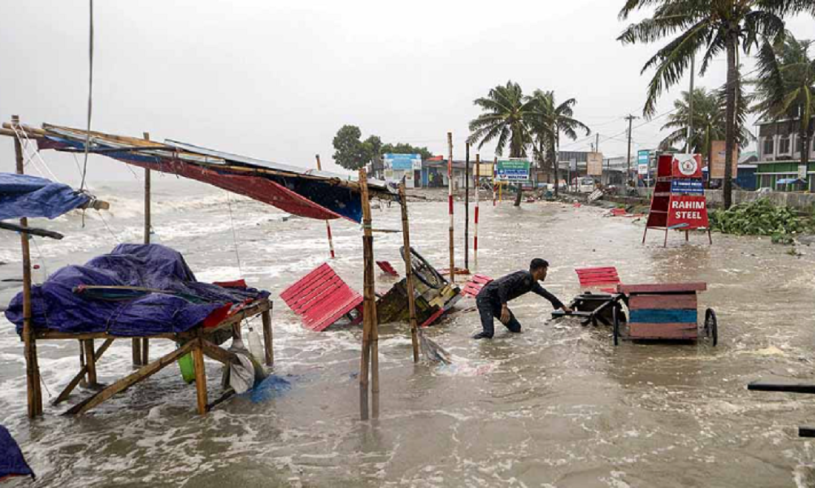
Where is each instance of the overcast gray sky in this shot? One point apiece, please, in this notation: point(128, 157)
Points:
point(276, 80)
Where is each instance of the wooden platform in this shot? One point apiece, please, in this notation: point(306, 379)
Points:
point(197, 341)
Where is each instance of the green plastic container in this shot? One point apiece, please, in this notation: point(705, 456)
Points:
point(187, 367)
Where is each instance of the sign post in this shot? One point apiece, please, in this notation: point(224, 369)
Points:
point(678, 201)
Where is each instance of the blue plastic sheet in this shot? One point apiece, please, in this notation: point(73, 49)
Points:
point(30, 196)
point(12, 462)
point(184, 304)
point(271, 387)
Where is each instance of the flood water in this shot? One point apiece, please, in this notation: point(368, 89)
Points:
point(556, 406)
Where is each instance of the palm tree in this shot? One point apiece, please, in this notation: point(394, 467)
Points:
point(549, 120)
point(709, 116)
point(712, 26)
point(785, 87)
point(505, 116)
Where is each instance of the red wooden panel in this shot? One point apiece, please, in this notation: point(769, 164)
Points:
point(685, 301)
point(663, 288)
point(590, 277)
point(662, 331)
point(321, 298)
point(387, 268)
point(474, 285)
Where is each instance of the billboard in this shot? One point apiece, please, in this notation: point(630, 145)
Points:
point(594, 164)
point(687, 212)
point(513, 171)
point(717, 148)
point(643, 161)
point(403, 162)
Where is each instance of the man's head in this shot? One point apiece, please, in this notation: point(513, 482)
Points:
point(538, 268)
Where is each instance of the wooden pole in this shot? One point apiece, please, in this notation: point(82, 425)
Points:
point(370, 363)
point(90, 362)
point(268, 342)
point(414, 327)
point(477, 188)
point(327, 223)
point(467, 207)
point(450, 206)
point(148, 225)
point(200, 374)
point(30, 344)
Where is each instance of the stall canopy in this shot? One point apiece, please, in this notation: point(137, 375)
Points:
point(30, 196)
point(307, 193)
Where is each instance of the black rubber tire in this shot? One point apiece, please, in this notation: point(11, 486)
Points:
point(422, 270)
point(712, 326)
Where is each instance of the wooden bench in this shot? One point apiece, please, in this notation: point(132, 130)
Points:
point(321, 298)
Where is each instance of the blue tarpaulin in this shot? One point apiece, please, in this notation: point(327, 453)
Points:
point(12, 462)
point(180, 303)
point(30, 196)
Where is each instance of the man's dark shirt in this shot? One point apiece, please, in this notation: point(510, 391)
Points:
point(514, 285)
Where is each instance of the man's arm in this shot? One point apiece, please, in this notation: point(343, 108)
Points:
point(537, 288)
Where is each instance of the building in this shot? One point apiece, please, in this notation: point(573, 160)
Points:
point(779, 157)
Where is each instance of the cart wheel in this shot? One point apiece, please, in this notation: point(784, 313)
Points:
point(426, 273)
point(616, 325)
point(711, 326)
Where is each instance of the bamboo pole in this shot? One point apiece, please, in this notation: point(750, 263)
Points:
point(90, 362)
point(200, 374)
point(414, 327)
point(369, 305)
point(467, 207)
point(268, 342)
point(477, 188)
point(145, 342)
point(450, 206)
point(34, 392)
point(327, 223)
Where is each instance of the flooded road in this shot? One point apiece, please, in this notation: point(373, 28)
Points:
point(556, 406)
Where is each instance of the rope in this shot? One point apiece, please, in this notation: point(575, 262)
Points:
point(234, 235)
point(90, 98)
point(115, 238)
point(37, 153)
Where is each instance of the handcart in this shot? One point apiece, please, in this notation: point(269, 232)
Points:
point(655, 312)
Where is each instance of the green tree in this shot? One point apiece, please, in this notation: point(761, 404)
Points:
point(785, 87)
point(548, 121)
point(350, 152)
point(712, 26)
point(505, 118)
point(709, 115)
point(403, 148)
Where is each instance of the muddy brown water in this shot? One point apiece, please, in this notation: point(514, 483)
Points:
point(557, 405)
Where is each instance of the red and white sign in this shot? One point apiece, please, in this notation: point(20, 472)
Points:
point(686, 166)
point(687, 212)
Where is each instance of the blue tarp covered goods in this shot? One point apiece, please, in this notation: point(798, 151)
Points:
point(136, 290)
point(12, 462)
point(30, 196)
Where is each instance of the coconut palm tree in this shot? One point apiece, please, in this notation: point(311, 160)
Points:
point(709, 116)
point(549, 120)
point(505, 118)
point(712, 26)
point(785, 87)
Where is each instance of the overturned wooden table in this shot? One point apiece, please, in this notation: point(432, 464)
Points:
point(197, 340)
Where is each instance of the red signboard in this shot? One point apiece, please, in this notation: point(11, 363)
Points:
point(686, 166)
point(687, 212)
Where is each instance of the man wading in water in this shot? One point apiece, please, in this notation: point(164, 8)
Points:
point(492, 299)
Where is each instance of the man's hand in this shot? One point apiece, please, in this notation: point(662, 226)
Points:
point(504, 314)
point(566, 309)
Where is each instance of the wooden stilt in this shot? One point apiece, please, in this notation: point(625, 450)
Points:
point(128, 381)
point(80, 377)
point(136, 345)
point(645, 233)
point(82, 369)
point(90, 362)
point(369, 305)
point(450, 209)
point(686, 236)
point(148, 226)
point(200, 375)
point(268, 342)
point(414, 327)
point(30, 344)
point(665, 244)
point(327, 223)
point(709, 236)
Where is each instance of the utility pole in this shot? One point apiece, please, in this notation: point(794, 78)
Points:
point(630, 119)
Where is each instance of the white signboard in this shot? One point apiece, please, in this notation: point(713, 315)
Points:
point(802, 172)
point(642, 169)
